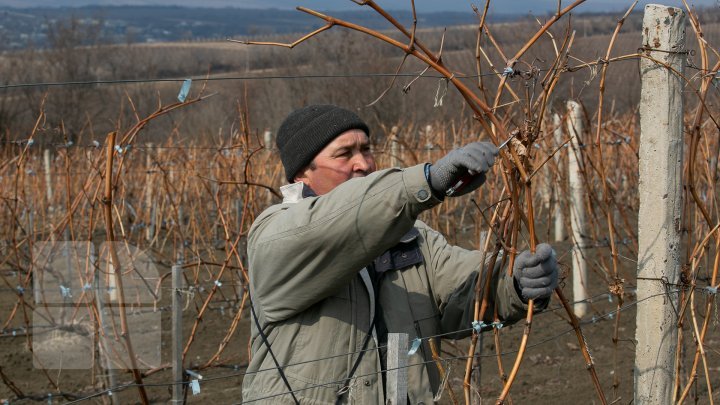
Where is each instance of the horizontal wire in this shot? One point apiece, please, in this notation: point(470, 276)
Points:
point(234, 78)
point(432, 361)
point(271, 77)
point(242, 374)
point(359, 376)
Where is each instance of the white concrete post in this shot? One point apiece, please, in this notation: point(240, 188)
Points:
point(660, 190)
point(544, 187)
point(576, 187)
point(558, 211)
point(397, 361)
point(153, 225)
point(48, 179)
point(394, 150)
point(104, 324)
point(268, 139)
point(177, 337)
point(150, 226)
point(428, 142)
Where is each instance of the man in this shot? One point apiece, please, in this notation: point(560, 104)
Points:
point(343, 260)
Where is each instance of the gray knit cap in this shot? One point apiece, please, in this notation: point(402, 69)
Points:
point(305, 132)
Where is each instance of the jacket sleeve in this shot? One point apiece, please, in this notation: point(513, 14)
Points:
point(303, 252)
point(453, 273)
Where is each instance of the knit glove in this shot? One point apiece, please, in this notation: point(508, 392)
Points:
point(536, 275)
point(469, 163)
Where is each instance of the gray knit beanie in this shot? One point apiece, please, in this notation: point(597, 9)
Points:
point(305, 132)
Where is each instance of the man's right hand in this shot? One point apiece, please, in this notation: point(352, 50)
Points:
point(469, 163)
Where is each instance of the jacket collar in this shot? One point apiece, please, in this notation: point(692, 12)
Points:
point(295, 192)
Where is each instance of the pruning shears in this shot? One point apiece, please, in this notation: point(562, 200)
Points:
point(471, 174)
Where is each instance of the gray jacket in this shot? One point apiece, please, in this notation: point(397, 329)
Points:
point(315, 301)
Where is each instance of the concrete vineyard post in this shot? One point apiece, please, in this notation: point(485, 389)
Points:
point(177, 338)
point(428, 143)
point(660, 192)
point(48, 179)
point(149, 206)
point(578, 224)
point(397, 361)
point(557, 208)
point(105, 325)
point(394, 149)
point(268, 139)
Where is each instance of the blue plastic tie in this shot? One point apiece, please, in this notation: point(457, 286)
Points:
point(20, 290)
point(478, 326)
point(218, 283)
point(65, 291)
point(195, 384)
point(118, 149)
point(184, 90)
point(30, 142)
point(711, 290)
point(87, 286)
point(508, 71)
point(497, 325)
point(415, 346)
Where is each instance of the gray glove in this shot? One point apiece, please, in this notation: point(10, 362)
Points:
point(469, 163)
point(536, 274)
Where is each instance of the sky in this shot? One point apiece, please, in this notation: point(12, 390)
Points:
point(499, 6)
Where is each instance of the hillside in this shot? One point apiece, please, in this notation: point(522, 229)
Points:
point(339, 66)
point(20, 28)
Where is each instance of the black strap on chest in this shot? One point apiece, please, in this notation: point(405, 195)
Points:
point(346, 384)
point(274, 359)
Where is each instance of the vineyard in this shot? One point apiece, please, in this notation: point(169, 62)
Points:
point(123, 264)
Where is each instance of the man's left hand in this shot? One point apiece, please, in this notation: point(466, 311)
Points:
point(536, 274)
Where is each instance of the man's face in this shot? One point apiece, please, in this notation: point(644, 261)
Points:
point(347, 156)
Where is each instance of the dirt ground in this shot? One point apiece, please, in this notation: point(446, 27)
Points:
point(553, 369)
